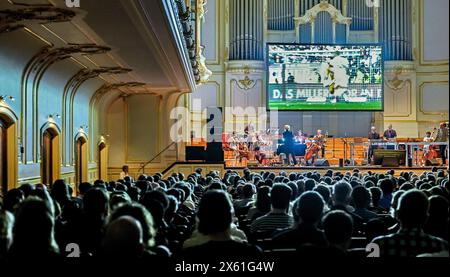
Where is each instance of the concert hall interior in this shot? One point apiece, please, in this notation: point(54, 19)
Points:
point(146, 100)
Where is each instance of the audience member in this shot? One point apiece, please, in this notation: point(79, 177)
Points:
point(411, 240)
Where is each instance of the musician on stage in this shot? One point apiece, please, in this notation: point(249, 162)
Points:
point(300, 138)
point(390, 134)
point(288, 139)
point(320, 140)
point(373, 135)
point(442, 136)
point(426, 149)
point(259, 155)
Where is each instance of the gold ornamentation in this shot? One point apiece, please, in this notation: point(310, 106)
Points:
point(311, 15)
point(324, 4)
point(396, 83)
point(201, 10)
point(246, 83)
point(205, 73)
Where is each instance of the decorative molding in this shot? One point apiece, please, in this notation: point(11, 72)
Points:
point(421, 95)
point(70, 91)
point(422, 61)
point(11, 20)
point(244, 66)
point(246, 83)
point(396, 83)
point(31, 79)
point(8, 116)
point(7, 111)
point(311, 15)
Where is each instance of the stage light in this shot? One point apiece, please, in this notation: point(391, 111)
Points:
point(52, 116)
point(7, 97)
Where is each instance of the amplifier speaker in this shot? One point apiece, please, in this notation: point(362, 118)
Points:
point(390, 161)
point(214, 152)
point(195, 153)
point(322, 163)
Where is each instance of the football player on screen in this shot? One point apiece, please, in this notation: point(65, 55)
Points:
point(334, 75)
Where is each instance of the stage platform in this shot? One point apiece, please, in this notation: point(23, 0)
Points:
point(323, 170)
point(189, 167)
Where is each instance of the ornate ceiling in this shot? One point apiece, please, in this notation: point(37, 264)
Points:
point(135, 34)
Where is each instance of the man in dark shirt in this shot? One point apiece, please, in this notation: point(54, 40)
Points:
point(308, 210)
point(411, 240)
point(390, 133)
point(278, 218)
point(215, 217)
point(361, 202)
point(373, 135)
point(288, 138)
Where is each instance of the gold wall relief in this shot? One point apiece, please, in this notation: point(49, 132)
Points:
point(396, 83)
point(246, 83)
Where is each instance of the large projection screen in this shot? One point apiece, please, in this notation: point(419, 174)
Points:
point(325, 77)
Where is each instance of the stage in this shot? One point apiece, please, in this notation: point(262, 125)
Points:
point(323, 170)
point(189, 167)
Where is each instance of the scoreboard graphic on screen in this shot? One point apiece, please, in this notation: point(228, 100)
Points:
point(325, 77)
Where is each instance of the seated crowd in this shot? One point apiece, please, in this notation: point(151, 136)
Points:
point(231, 216)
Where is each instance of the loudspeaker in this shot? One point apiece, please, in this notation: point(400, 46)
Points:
point(390, 161)
point(195, 153)
point(214, 124)
point(341, 162)
point(214, 152)
point(322, 163)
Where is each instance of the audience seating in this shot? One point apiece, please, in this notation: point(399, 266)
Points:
point(171, 213)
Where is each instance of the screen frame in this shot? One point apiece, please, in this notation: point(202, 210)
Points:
point(268, 109)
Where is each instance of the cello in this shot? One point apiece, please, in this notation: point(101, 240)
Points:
point(431, 153)
point(311, 152)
